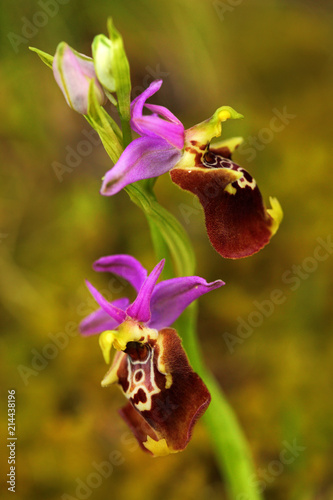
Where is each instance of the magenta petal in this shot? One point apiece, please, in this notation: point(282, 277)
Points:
point(171, 297)
point(154, 126)
point(144, 158)
point(138, 103)
point(168, 127)
point(117, 314)
point(162, 111)
point(140, 309)
point(99, 321)
point(125, 266)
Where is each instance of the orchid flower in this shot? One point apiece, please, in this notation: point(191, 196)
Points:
point(166, 396)
point(237, 222)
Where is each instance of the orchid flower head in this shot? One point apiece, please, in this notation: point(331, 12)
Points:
point(237, 221)
point(150, 364)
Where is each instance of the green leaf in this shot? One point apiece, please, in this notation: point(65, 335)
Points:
point(46, 58)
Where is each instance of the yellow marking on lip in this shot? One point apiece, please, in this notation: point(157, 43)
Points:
point(276, 213)
point(158, 448)
point(230, 189)
point(111, 376)
point(135, 386)
point(231, 144)
point(161, 365)
point(224, 115)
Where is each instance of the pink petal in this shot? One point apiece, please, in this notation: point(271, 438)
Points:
point(144, 158)
point(172, 296)
point(125, 266)
point(140, 309)
point(99, 321)
point(117, 314)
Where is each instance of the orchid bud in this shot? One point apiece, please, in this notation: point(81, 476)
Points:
point(112, 68)
point(103, 54)
point(73, 73)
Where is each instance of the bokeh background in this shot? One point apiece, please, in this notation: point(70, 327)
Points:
point(262, 58)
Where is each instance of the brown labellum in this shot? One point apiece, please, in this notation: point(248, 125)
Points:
point(237, 222)
point(166, 397)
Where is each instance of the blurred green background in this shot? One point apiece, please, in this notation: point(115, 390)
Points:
point(262, 58)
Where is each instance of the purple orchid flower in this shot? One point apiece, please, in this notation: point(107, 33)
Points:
point(166, 397)
point(237, 221)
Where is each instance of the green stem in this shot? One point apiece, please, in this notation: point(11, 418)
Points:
point(161, 249)
point(170, 232)
point(127, 132)
point(231, 448)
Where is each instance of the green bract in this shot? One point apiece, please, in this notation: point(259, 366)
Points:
point(46, 58)
point(121, 72)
